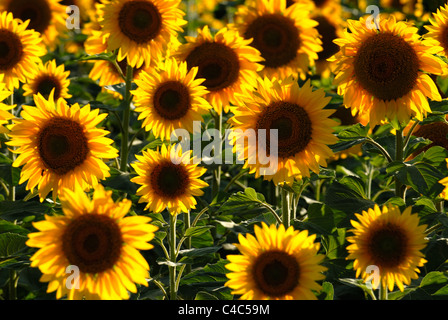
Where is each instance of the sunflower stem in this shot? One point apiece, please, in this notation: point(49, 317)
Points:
point(286, 214)
point(187, 225)
point(399, 148)
point(217, 171)
point(126, 117)
point(173, 255)
point(13, 279)
point(383, 291)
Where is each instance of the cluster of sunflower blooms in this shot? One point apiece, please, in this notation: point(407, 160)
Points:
point(253, 66)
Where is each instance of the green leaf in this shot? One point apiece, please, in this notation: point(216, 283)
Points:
point(327, 292)
point(6, 226)
point(11, 244)
point(17, 210)
point(347, 196)
point(350, 136)
point(94, 57)
point(119, 180)
point(421, 176)
point(203, 295)
point(196, 231)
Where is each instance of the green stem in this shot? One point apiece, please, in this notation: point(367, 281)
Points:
point(286, 212)
point(399, 148)
point(383, 291)
point(187, 224)
point(234, 179)
point(13, 279)
point(217, 171)
point(172, 269)
point(126, 117)
point(380, 148)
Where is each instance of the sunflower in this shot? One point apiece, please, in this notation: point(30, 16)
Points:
point(276, 264)
point(169, 98)
point(48, 17)
point(226, 61)
point(304, 130)
point(20, 50)
point(383, 73)
point(438, 30)
point(48, 78)
point(60, 146)
point(166, 183)
point(390, 240)
point(95, 236)
point(140, 29)
point(285, 36)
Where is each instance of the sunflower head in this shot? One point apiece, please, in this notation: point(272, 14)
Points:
point(141, 30)
point(296, 126)
point(49, 77)
point(47, 17)
point(59, 146)
point(390, 240)
point(95, 237)
point(170, 97)
point(225, 60)
point(276, 264)
point(382, 72)
point(438, 30)
point(285, 36)
point(169, 179)
point(20, 50)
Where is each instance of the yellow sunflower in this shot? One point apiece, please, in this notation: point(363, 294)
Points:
point(48, 17)
point(304, 130)
point(94, 236)
point(49, 77)
point(60, 147)
point(169, 180)
point(389, 240)
point(226, 61)
point(438, 30)
point(383, 73)
point(20, 50)
point(276, 264)
point(140, 29)
point(286, 36)
point(170, 97)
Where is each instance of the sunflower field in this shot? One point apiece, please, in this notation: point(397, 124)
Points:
point(223, 150)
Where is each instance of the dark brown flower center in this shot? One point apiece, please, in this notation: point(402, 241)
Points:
point(328, 33)
point(172, 100)
point(37, 11)
point(388, 245)
point(45, 84)
point(293, 125)
point(276, 37)
point(140, 21)
point(436, 132)
point(92, 242)
point(62, 145)
point(386, 66)
point(217, 63)
point(169, 180)
point(11, 49)
point(276, 273)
